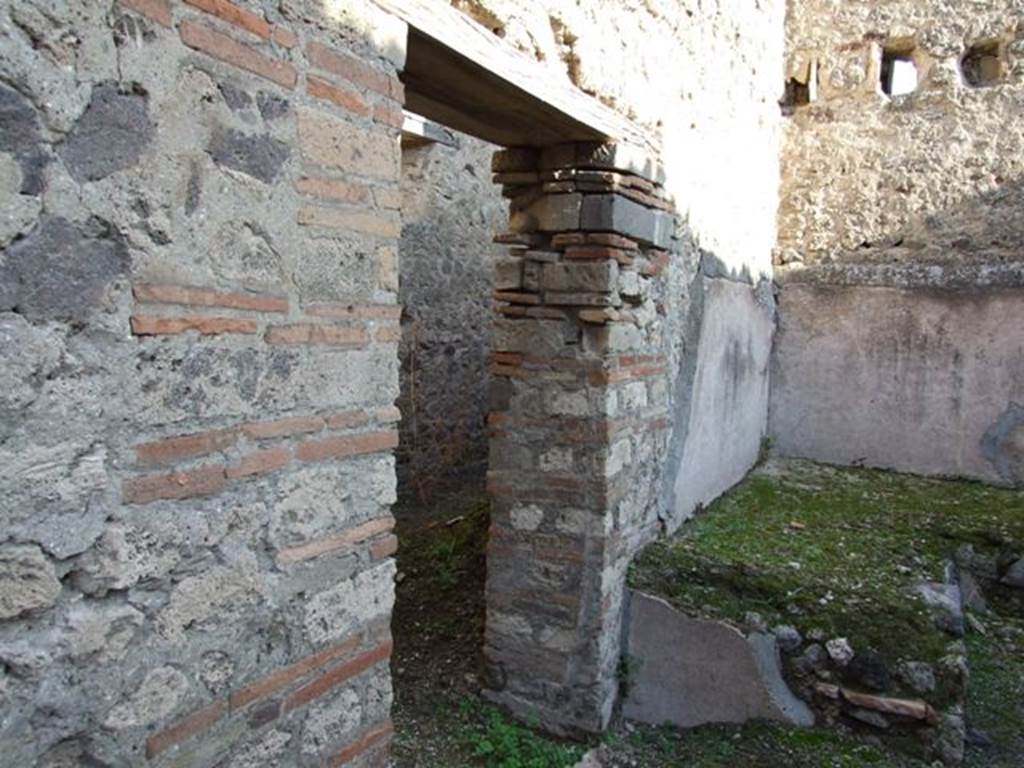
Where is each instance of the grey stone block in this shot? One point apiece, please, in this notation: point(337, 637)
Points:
point(626, 158)
point(694, 671)
point(593, 276)
point(615, 213)
point(557, 213)
point(109, 136)
point(259, 156)
point(62, 270)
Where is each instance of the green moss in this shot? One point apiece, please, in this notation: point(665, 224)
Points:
point(755, 745)
point(839, 550)
point(995, 703)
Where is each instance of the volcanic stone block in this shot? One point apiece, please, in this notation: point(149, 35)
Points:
point(62, 270)
point(109, 136)
point(615, 213)
point(599, 276)
point(259, 156)
point(557, 213)
point(508, 274)
point(627, 158)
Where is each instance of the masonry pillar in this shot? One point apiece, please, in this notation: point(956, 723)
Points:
point(578, 422)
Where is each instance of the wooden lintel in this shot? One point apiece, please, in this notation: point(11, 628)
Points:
point(464, 76)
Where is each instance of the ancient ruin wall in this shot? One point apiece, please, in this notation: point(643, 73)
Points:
point(630, 364)
point(706, 79)
point(451, 211)
point(868, 177)
point(899, 239)
point(199, 334)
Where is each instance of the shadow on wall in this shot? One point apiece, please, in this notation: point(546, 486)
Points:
point(451, 211)
point(908, 354)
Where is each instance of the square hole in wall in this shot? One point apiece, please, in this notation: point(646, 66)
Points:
point(981, 65)
point(801, 88)
point(899, 72)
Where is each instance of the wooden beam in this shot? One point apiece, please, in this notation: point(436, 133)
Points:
point(464, 76)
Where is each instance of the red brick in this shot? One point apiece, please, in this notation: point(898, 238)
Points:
point(383, 224)
point(232, 14)
point(348, 419)
point(368, 741)
point(611, 240)
point(626, 360)
point(147, 325)
point(203, 481)
point(335, 542)
point(342, 97)
point(159, 11)
point(149, 293)
point(354, 445)
point(388, 334)
point(336, 676)
point(284, 37)
point(563, 239)
point(388, 414)
point(355, 311)
point(349, 68)
point(267, 686)
point(396, 90)
point(658, 263)
point(294, 425)
point(507, 358)
point(317, 334)
point(517, 298)
point(185, 728)
point(260, 462)
point(386, 547)
point(389, 114)
point(183, 447)
point(598, 252)
point(227, 49)
point(333, 189)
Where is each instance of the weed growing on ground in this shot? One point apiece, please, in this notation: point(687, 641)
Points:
point(498, 742)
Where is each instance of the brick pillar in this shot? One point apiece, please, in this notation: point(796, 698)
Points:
point(577, 423)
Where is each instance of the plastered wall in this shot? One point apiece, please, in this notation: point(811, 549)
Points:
point(899, 251)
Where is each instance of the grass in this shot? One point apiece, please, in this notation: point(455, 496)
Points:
point(995, 703)
point(446, 549)
point(755, 745)
point(833, 550)
point(495, 741)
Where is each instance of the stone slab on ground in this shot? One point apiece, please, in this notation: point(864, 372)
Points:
point(696, 671)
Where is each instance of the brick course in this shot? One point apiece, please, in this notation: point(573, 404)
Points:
point(220, 46)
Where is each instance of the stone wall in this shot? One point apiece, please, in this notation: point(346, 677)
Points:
point(199, 287)
point(634, 328)
point(451, 211)
point(705, 78)
point(872, 177)
point(199, 338)
point(899, 238)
